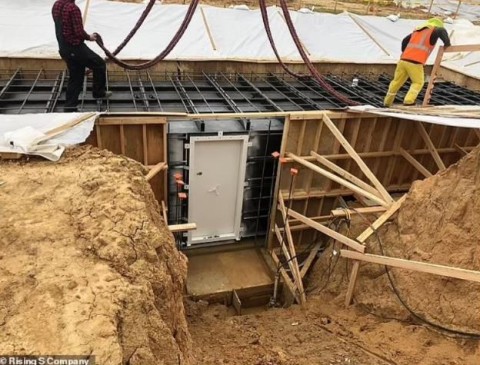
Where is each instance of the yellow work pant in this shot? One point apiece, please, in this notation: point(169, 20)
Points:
point(404, 71)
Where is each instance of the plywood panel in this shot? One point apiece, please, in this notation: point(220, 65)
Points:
point(111, 138)
point(133, 135)
point(156, 144)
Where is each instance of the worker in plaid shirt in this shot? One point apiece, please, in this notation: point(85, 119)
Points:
point(71, 37)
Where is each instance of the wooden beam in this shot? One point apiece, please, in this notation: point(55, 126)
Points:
point(301, 195)
point(352, 283)
point(415, 163)
point(286, 279)
point(456, 11)
point(297, 280)
point(155, 170)
point(164, 212)
point(477, 132)
point(122, 139)
point(145, 144)
point(368, 33)
point(338, 179)
point(362, 238)
point(329, 232)
point(345, 174)
point(433, 76)
point(85, 12)
point(368, 173)
point(426, 138)
point(207, 27)
point(130, 120)
point(460, 150)
point(381, 220)
point(463, 48)
point(361, 210)
point(442, 270)
point(182, 227)
point(10, 155)
point(63, 128)
point(375, 154)
point(276, 190)
point(291, 246)
point(310, 258)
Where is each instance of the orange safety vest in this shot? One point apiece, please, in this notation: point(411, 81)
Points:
point(419, 47)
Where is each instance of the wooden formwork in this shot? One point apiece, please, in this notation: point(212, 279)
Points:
point(331, 155)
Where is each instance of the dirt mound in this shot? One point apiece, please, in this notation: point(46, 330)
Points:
point(437, 223)
point(87, 265)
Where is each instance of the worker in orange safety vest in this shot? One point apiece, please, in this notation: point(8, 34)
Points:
point(416, 47)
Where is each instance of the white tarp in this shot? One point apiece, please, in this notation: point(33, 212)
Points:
point(445, 8)
point(442, 120)
point(20, 133)
point(235, 34)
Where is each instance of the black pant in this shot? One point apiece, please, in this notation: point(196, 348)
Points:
point(77, 59)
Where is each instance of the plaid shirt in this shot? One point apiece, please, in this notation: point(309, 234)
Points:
point(71, 17)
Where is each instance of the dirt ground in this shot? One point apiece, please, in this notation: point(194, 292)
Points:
point(87, 266)
point(438, 223)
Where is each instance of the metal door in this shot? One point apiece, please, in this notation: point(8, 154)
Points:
point(216, 185)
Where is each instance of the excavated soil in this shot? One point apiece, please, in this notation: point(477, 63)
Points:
point(87, 265)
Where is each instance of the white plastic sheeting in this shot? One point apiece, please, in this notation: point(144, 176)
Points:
point(445, 8)
point(19, 133)
point(442, 120)
point(235, 34)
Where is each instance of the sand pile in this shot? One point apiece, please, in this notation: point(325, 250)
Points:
point(87, 265)
point(438, 223)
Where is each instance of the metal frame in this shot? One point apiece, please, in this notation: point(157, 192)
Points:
point(23, 91)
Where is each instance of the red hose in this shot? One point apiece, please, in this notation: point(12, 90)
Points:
point(176, 38)
point(313, 71)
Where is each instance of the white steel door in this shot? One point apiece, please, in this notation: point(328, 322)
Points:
point(216, 183)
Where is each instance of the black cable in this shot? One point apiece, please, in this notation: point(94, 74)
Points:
point(415, 315)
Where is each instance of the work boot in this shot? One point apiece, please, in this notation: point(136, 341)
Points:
point(107, 95)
